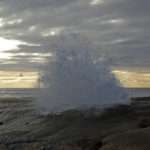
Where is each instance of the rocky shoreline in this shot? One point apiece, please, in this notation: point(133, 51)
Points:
point(122, 127)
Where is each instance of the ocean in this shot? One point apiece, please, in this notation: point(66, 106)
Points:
point(138, 92)
point(19, 93)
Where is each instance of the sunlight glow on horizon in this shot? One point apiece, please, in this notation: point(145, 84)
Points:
point(133, 79)
point(30, 79)
point(18, 79)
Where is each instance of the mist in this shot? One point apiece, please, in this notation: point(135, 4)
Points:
point(76, 76)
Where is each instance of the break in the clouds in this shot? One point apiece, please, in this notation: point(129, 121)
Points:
point(118, 28)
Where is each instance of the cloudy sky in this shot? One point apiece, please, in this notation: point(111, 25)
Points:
point(118, 28)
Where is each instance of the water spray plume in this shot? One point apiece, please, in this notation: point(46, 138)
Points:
point(76, 78)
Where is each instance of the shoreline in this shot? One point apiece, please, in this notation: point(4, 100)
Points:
point(21, 128)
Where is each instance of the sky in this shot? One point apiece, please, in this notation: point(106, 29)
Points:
point(119, 29)
point(16, 79)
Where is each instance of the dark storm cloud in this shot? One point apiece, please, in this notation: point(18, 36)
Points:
point(119, 28)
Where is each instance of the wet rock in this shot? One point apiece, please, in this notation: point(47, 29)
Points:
point(90, 144)
point(27, 146)
point(67, 147)
point(130, 140)
point(1, 123)
point(3, 147)
point(144, 123)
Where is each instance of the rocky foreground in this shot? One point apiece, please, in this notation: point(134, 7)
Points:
point(123, 127)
